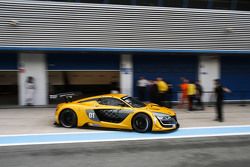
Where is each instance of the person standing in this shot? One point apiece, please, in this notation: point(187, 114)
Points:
point(162, 89)
point(153, 92)
point(142, 88)
point(191, 95)
point(219, 93)
point(198, 96)
point(169, 95)
point(183, 96)
point(30, 91)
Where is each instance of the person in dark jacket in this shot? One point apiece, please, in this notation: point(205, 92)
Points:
point(219, 91)
point(153, 92)
point(142, 84)
point(198, 96)
point(169, 95)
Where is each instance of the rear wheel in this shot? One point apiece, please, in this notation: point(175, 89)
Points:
point(142, 123)
point(68, 118)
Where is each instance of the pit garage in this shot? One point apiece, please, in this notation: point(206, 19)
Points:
point(8, 79)
point(235, 75)
point(86, 74)
point(168, 66)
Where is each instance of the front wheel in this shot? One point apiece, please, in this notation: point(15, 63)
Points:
point(68, 118)
point(142, 123)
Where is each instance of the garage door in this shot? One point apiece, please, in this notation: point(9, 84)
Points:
point(88, 74)
point(235, 74)
point(170, 67)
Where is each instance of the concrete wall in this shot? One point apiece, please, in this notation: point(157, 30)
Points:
point(209, 69)
point(33, 64)
point(126, 74)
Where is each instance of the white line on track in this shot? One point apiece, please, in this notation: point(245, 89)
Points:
point(209, 127)
point(64, 133)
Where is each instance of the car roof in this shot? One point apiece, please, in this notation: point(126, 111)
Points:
point(110, 95)
point(119, 96)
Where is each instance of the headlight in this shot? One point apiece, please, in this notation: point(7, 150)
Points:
point(162, 116)
point(166, 120)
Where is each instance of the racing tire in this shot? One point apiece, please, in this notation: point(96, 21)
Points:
point(68, 118)
point(142, 123)
point(177, 126)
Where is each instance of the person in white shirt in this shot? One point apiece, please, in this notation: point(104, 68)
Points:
point(30, 91)
point(142, 84)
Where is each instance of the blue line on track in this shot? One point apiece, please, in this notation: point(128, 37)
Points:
point(119, 135)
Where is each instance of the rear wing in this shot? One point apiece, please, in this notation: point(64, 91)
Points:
point(66, 96)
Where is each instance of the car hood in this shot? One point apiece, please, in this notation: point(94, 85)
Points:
point(156, 108)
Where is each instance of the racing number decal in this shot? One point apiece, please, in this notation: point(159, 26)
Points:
point(108, 115)
point(91, 114)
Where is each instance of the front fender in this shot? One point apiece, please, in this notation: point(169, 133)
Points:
point(79, 110)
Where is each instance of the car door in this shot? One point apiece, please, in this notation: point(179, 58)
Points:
point(112, 110)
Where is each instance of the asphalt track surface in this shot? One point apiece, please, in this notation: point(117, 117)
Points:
point(230, 151)
point(29, 139)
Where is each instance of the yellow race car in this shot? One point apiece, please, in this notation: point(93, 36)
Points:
point(116, 111)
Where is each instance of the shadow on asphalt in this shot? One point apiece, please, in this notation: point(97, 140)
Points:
point(117, 130)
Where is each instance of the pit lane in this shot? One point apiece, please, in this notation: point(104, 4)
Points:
point(35, 126)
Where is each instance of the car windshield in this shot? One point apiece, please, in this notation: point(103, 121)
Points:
point(133, 102)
